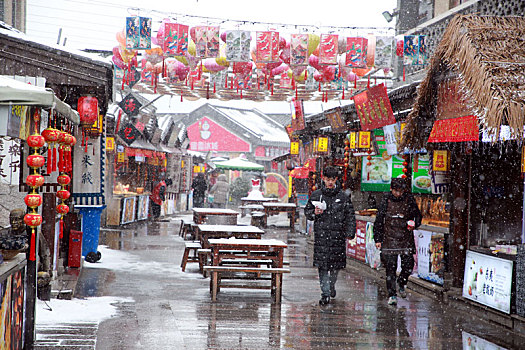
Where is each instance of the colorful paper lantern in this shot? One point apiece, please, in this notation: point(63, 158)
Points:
point(88, 110)
point(63, 194)
point(33, 220)
point(35, 180)
point(35, 141)
point(35, 161)
point(62, 209)
point(33, 200)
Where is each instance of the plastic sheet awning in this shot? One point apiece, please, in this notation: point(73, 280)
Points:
point(18, 93)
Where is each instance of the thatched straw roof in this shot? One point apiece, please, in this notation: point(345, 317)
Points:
point(488, 56)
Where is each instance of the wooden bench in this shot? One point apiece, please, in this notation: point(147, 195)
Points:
point(248, 208)
point(190, 247)
point(276, 278)
point(187, 227)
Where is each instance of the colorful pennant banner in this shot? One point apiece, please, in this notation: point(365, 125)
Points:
point(373, 108)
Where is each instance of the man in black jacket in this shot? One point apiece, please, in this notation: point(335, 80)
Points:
point(397, 217)
point(334, 221)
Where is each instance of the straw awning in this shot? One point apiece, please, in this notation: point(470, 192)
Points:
point(487, 56)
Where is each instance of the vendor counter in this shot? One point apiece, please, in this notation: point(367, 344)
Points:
point(430, 248)
point(127, 208)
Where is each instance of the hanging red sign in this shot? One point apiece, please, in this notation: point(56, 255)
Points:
point(267, 47)
point(373, 108)
point(297, 115)
point(455, 130)
point(299, 50)
point(356, 51)
point(328, 49)
point(175, 40)
point(336, 120)
point(206, 41)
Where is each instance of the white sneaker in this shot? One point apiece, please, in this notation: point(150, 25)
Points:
point(392, 300)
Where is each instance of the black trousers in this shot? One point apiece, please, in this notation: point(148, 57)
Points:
point(155, 210)
point(407, 265)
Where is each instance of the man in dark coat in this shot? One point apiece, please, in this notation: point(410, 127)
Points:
point(397, 217)
point(199, 187)
point(334, 221)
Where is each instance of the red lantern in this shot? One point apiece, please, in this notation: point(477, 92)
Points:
point(35, 180)
point(33, 200)
point(63, 180)
point(88, 110)
point(51, 135)
point(62, 209)
point(35, 141)
point(33, 220)
point(400, 47)
point(63, 194)
point(35, 161)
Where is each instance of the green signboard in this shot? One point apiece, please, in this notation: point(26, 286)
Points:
point(421, 181)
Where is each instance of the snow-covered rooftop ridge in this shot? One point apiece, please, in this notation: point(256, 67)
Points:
point(256, 122)
point(14, 33)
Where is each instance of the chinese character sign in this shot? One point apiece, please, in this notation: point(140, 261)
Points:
point(87, 179)
point(128, 133)
point(336, 120)
point(440, 160)
point(297, 115)
point(176, 39)
point(364, 140)
point(299, 50)
point(267, 46)
point(322, 144)
point(9, 161)
point(294, 148)
point(130, 105)
point(356, 50)
point(373, 108)
point(238, 45)
point(328, 49)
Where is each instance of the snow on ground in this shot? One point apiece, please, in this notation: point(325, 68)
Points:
point(89, 310)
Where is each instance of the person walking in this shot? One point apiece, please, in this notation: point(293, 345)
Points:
point(334, 221)
point(397, 217)
point(158, 196)
point(199, 187)
point(220, 192)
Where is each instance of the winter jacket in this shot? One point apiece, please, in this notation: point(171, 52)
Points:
point(157, 195)
point(199, 186)
point(390, 226)
point(220, 190)
point(331, 228)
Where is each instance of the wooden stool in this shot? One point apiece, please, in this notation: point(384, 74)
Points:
point(190, 247)
point(258, 219)
point(204, 255)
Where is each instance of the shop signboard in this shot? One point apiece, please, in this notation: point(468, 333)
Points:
point(10, 154)
point(351, 248)
point(421, 180)
point(206, 135)
point(373, 108)
point(460, 129)
point(294, 148)
point(430, 256)
point(360, 240)
point(488, 280)
point(392, 135)
point(377, 173)
point(336, 120)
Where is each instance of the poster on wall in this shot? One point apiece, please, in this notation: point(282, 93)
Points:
point(488, 280)
point(128, 210)
point(142, 207)
point(430, 256)
point(377, 173)
point(473, 342)
point(421, 180)
point(10, 152)
point(373, 255)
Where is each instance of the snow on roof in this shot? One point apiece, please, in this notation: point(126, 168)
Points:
point(46, 45)
point(257, 123)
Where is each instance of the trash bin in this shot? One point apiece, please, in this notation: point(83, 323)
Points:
point(75, 248)
point(91, 228)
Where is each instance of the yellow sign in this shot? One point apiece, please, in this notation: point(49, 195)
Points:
point(110, 144)
point(294, 147)
point(523, 159)
point(121, 158)
point(365, 139)
point(440, 161)
point(353, 140)
point(322, 144)
point(289, 186)
point(182, 163)
point(165, 162)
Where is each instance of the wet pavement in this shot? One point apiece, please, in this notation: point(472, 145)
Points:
point(173, 309)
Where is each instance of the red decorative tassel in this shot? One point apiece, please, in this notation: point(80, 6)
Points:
point(61, 234)
point(296, 92)
point(49, 160)
point(54, 158)
point(181, 96)
point(319, 86)
point(213, 87)
point(368, 83)
point(191, 84)
point(355, 83)
point(231, 83)
point(60, 159)
point(241, 94)
point(343, 93)
point(32, 247)
point(208, 91)
point(403, 73)
point(306, 74)
point(272, 89)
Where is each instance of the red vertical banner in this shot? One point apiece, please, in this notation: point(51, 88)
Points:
point(356, 51)
point(328, 49)
point(267, 46)
point(297, 115)
point(299, 50)
point(373, 108)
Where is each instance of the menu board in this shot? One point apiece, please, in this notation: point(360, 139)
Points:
point(128, 210)
point(360, 240)
point(377, 173)
point(430, 256)
point(421, 180)
point(488, 280)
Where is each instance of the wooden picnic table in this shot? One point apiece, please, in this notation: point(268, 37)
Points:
point(248, 200)
point(266, 251)
point(212, 215)
point(207, 232)
point(276, 208)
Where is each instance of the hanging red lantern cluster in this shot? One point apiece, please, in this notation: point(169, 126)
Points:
point(346, 161)
point(88, 111)
point(63, 194)
point(64, 153)
point(51, 135)
point(34, 180)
